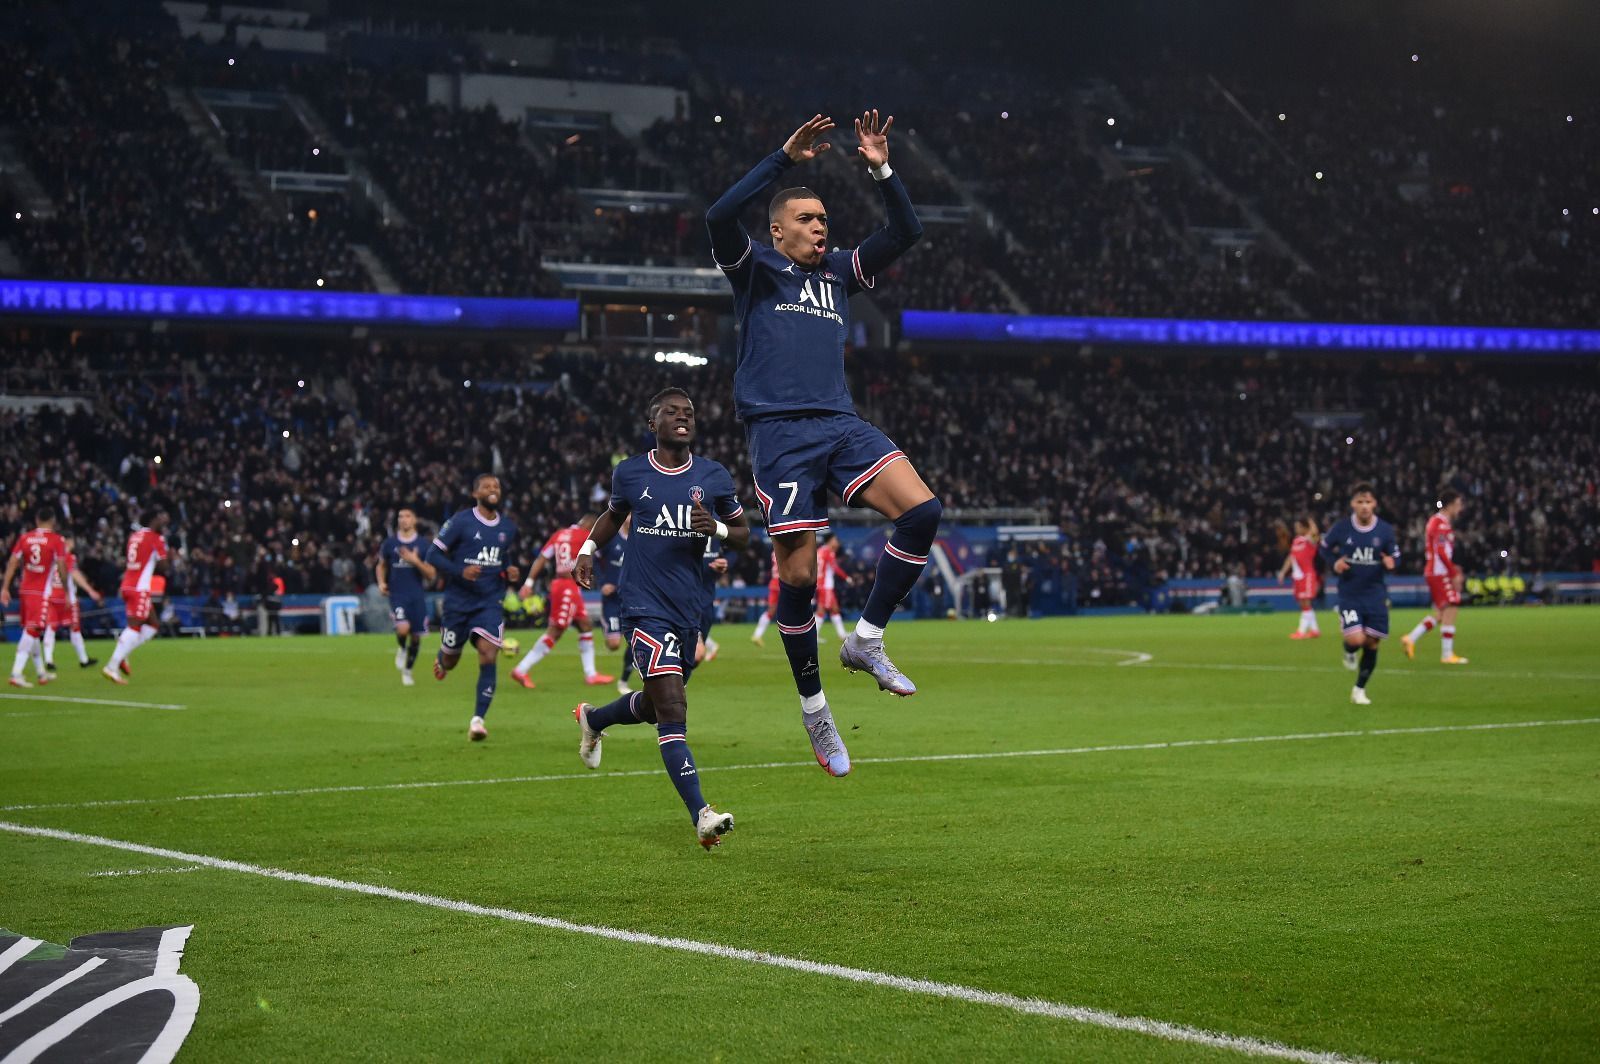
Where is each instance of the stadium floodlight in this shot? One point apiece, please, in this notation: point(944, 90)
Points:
point(1415, 57)
point(19, 216)
point(1319, 175)
point(1005, 114)
point(230, 61)
point(158, 459)
point(1349, 440)
point(682, 358)
point(285, 433)
point(717, 119)
point(319, 282)
point(1111, 121)
point(299, 384)
point(466, 383)
point(1282, 117)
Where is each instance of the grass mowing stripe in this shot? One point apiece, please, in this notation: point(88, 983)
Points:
point(92, 701)
point(1171, 1032)
point(1170, 744)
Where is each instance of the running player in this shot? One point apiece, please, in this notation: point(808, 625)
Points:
point(1444, 580)
point(404, 577)
point(147, 558)
point(64, 612)
point(608, 571)
point(668, 490)
point(567, 607)
point(829, 569)
point(773, 584)
point(1302, 562)
point(473, 549)
point(41, 555)
point(1361, 548)
point(791, 301)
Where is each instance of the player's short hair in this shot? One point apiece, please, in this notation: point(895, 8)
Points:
point(797, 192)
point(1362, 487)
point(44, 513)
point(148, 517)
point(480, 478)
point(1448, 496)
point(654, 406)
point(403, 507)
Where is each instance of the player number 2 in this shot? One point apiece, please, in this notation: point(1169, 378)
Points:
point(794, 489)
point(671, 645)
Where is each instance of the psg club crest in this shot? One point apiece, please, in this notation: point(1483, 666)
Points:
point(502, 537)
point(697, 494)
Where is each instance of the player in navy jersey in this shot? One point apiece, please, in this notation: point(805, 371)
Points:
point(678, 500)
point(716, 564)
point(474, 550)
point(404, 577)
point(608, 571)
point(1361, 548)
point(792, 304)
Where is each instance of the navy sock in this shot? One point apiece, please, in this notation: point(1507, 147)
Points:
point(629, 709)
point(627, 663)
point(1369, 661)
point(485, 689)
point(902, 561)
point(412, 647)
point(400, 639)
point(679, 763)
point(798, 626)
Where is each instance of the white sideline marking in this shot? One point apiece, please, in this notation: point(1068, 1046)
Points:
point(990, 755)
point(1146, 662)
point(143, 871)
point(88, 702)
point(1171, 1032)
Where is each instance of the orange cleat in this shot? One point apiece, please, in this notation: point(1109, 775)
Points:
point(1410, 646)
point(596, 680)
point(1453, 659)
point(439, 672)
point(522, 678)
point(1298, 635)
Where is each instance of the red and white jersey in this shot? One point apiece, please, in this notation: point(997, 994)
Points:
point(145, 549)
point(1441, 548)
point(562, 549)
point(827, 567)
point(38, 550)
point(772, 574)
point(1303, 557)
point(64, 596)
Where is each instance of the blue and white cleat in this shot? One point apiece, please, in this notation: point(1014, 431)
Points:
point(857, 654)
point(826, 744)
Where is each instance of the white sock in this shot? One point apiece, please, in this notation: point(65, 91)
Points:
point(77, 644)
point(24, 652)
point(147, 633)
point(1423, 627)
point(868, 631)
point(811, 705)
point(1311, 621)
point(586, 653)
point(541, 647)
point(838, 625)
point(761, 625)
point(711, 646)
point(38, 659)
point(50, 646)
point(125, 645)
point(1447, 642)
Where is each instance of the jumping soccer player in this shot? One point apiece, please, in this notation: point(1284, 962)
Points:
point(1444, 580)
point(567, 607)
point(473, 550)
point(1361, 548)
point(792, 304)
point(829, 569)
point(147, 559)
point(41, 555)
point(667, 491)
point(1302, 562)
point(608, 572)
point(64, 612)
point(403, 576)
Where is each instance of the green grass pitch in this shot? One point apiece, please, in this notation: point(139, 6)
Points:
point(1419, 890)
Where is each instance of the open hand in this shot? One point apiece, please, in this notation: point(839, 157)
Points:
point(583, 571)
point(874, 138)
point(802, 144)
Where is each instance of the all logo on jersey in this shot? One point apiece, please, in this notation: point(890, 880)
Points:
point(673, 520)
point(820, 297)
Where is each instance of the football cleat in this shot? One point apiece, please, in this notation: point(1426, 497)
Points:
point(400, 658)
point(476, 731)
point(439, 671)
point(1409, 645)
point(86, 664)
point(857, 654)
point(589, 743)
point(17, 681)
point(406, 679)
point(711, 825)
point(1315, 633)
point(522, 678)
point(711, 649)
point(826, 744)
point(1298, 635)
point(599, 679)
point(111, 675)
point(50, 667)
point(623, 688)
point(1359, 696)
point(125, 670)
point(758, 641)
point(1453, 659)
point(1349, 660)
point(46, 677)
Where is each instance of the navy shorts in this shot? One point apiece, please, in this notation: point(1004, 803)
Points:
point(1365, 615)
point(462, 623)
point(611, 614)
point(797, 460)
point(660, 647)
point(409, 609)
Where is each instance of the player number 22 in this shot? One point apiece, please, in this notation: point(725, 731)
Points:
point(794, 489)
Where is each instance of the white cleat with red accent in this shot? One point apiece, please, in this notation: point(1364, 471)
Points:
point(476, 731)
point(589, 744)
point(711, 825)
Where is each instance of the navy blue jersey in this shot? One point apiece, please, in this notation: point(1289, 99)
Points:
point(467, 539)
point(662, 578)
point(404, 579)
point(1365, 548)
point(608, 565)
point(794, 321)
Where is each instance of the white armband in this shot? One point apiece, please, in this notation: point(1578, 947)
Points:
point(880, 173)
point(587, 548)
point(722, 530)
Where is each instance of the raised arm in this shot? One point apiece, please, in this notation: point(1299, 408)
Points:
point(729, 241)
point(903, 229)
